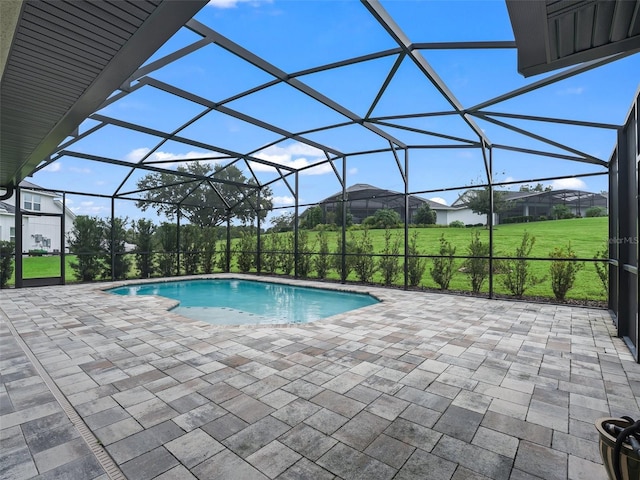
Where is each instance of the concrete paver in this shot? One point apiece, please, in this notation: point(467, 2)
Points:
point(422, 385)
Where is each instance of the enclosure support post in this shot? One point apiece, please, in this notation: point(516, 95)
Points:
point(62, 240)
point(627, 239)
point(18, 245)
point(258, 238)
point(178, 244)
point(343, 276)
point(406, 218)
point(296, 254)
point(113, 239)
point(228, 259)
point(614, 215)
point(490, 222)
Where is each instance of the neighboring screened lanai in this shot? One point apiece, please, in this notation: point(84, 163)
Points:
point(110, 104)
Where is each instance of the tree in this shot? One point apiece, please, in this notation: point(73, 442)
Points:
point(338, 217)
point(200, 200)
point(537, 188)
point(86, 242)
point(312, 217)
point(424, 215)
point(478, 202)
point(282, 223)
point(143, 239)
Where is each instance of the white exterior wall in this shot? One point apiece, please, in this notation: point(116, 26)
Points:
point(465, 215)
point(441, 216)
point(38, 232)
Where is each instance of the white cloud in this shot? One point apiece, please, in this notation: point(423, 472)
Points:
point(84, 171)
point(53, 167)
point(295, 155)
point(137, 154)
point(572, 91)
point(352, 171)
point(89, 208)
point(569, 183)
point(234, 3)
point(283, 200)
point(439, 200)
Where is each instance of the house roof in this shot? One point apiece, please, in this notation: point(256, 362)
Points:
point(553, 34)
point(65, 59)
point(5, 207)
point(563, 195)
point(361, 191)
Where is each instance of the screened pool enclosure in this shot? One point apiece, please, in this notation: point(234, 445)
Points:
point(234, 116)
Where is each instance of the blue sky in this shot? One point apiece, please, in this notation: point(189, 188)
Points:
point(298, 35)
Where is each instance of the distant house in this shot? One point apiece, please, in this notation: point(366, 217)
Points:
point(540, 204)
point(41, 219)
point(364, 200)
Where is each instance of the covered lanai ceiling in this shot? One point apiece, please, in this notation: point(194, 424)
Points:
point(79, 88)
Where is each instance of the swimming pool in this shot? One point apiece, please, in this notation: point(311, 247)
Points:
point(244, 302)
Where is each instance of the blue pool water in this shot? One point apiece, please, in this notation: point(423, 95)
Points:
point(239, 302)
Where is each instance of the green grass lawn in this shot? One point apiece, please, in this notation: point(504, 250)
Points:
point(43, 267)
point(587, 236)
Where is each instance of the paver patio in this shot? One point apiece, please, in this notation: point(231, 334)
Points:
point(421, 386)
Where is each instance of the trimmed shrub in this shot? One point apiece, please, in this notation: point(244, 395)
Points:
point(457, 224)
point(117, 263)
point(190, 243)
point(7, 250)
point(416, 266)
point(166, 234)
point(270, 253)
point(144, 257)
point(596, 212)
point(560, 212)
point(85, 241)
point(286, 258)
point(322, 262)
point(349, 260)
point(304, 254)
point(208, 239)
point(246, 252)
point(364, 264)
point(517, 275)
point(477, 268)
point(602, 267)
point(563, 272)
point(443, 266)
point(389, 263)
